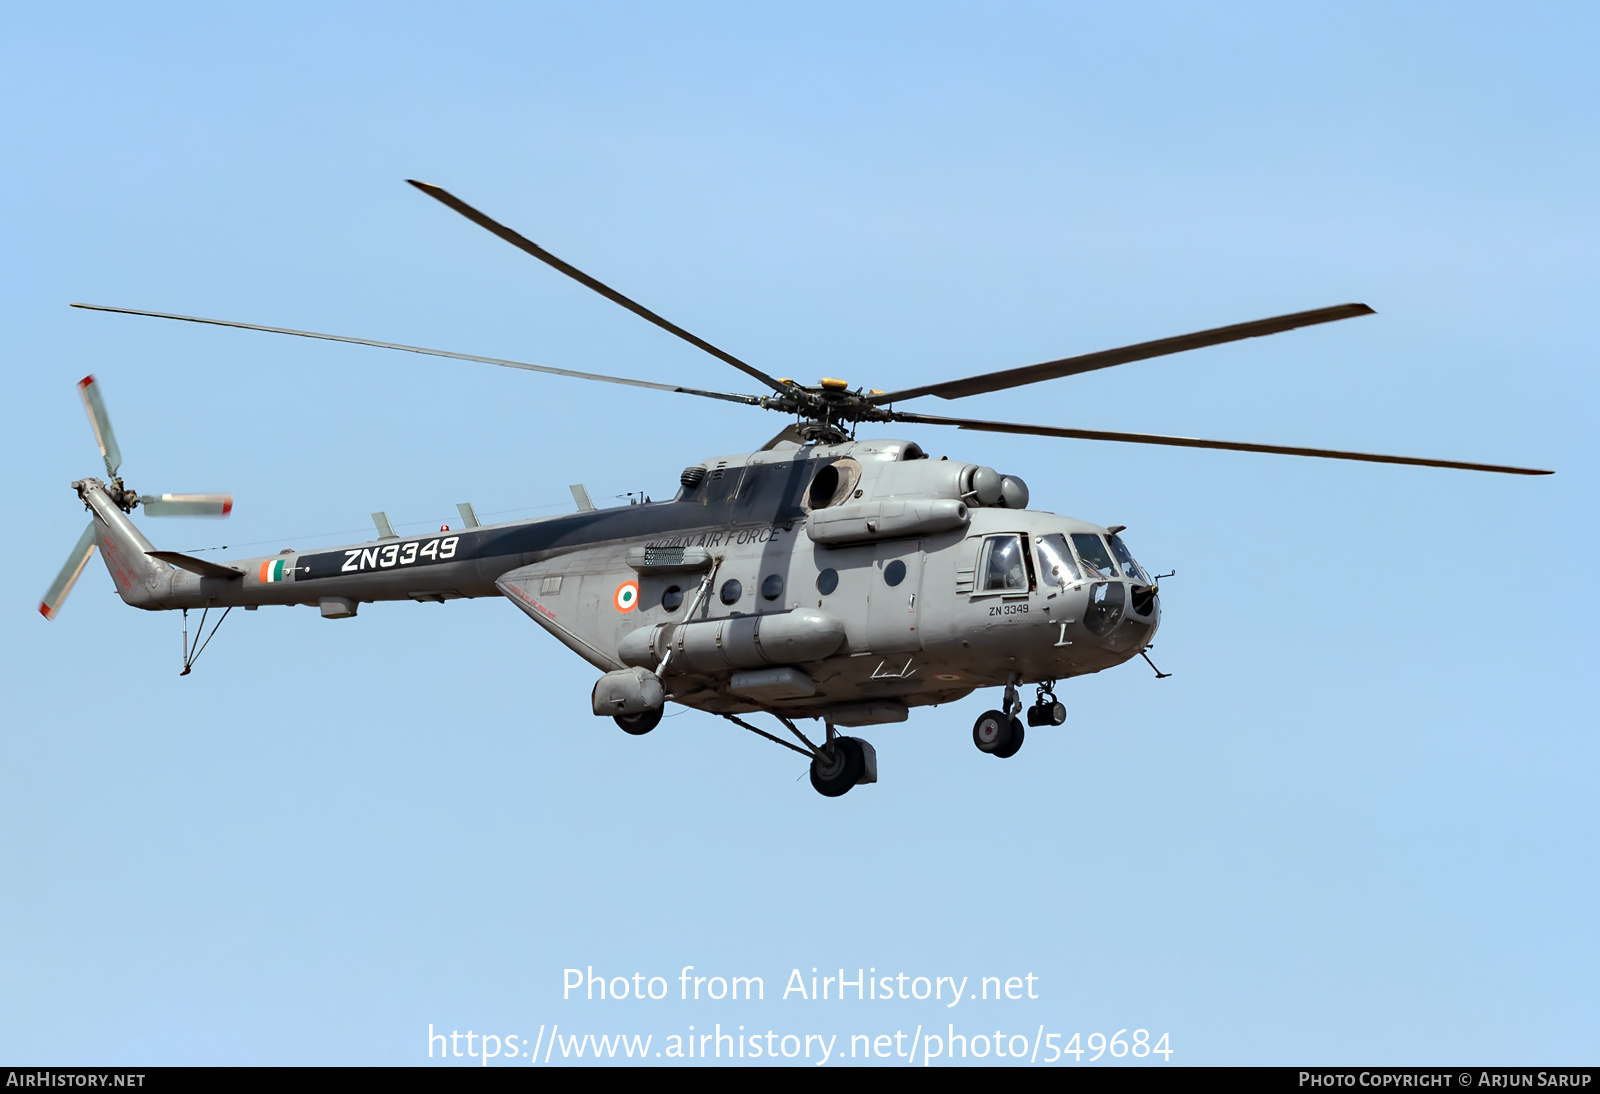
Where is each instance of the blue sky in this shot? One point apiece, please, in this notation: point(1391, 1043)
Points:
point(1357, 825)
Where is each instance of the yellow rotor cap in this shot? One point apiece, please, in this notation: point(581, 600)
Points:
point(835, 385)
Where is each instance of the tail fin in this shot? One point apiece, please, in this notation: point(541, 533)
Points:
point(124, 547)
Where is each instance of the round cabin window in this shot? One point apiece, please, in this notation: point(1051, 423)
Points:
point(772, 587)
point(894, 573)
point(672, 598)
point(731, 591)
point(827, 581)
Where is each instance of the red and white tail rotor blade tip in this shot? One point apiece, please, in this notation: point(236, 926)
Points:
point(100, 422)
point(186, 505)
point(56, 595)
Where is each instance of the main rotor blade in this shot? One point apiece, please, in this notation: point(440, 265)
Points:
point(1195, 442)
point(1088, 362)
point(522, 243)
point(56, 595)
point(89, 392)
point(747, 399)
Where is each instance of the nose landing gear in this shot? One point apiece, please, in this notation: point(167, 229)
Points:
point(998, 734)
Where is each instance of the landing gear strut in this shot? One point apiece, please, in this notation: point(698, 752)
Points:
point(836, 765)
point(1000, 732)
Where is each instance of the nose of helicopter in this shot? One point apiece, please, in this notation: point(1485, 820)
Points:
point(1122, 614)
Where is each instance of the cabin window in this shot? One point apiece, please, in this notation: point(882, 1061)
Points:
point(772, 587)
point(827, 581)
point(672, 598)
point(894, 573)
point(731, 591)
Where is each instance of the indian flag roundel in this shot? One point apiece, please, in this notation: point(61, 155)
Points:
point(626, 598)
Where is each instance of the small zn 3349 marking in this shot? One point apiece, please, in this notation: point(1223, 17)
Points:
point(399, 554)
point(1008, 609)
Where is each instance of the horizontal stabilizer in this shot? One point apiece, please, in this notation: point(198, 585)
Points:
point(196, 565)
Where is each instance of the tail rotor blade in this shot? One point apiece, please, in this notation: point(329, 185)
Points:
point(56, 595)
point(186, 505)
point(89, 392)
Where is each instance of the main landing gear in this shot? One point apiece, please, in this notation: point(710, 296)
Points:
point(638, 724)
point(836, 765)
point(1000, 732)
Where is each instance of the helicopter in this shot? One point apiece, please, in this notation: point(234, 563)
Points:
point(822, 577)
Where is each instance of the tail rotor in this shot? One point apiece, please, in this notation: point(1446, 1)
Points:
point(100, 422)
point(125, 498)
point(56, 595)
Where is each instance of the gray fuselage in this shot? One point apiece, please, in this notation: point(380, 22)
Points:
point(878, 566)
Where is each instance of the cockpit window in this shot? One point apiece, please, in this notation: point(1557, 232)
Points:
point(1093, 553)
point(1056, 565)
point(1004, 565)
point(1129, 566)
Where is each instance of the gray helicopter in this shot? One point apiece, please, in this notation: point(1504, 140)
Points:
point(823, 577)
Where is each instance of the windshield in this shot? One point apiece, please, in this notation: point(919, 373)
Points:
point(1129, 566)
point(1093, 553)
point(1056, 565)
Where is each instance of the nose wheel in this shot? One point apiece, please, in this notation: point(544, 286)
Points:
point(998, 734)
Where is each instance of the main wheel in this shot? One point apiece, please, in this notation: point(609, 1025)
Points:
point(1017, 734)
point(993, 730)
point(840, 767)
point(638, 724)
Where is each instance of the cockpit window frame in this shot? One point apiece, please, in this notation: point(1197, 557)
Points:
point(1092, 571)
point(985, 553)
point(1124, 558)
point(1072, 575)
